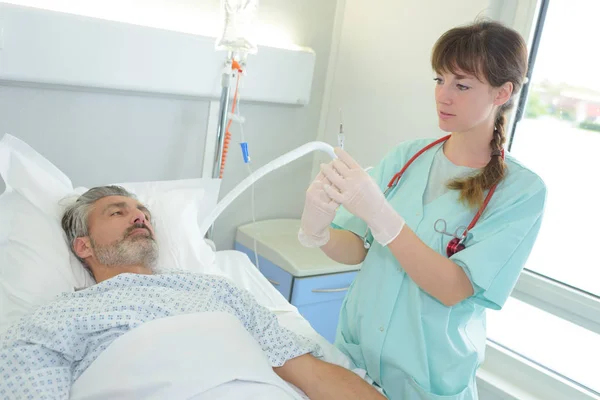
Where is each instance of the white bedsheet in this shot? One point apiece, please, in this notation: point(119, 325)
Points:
point(187, 356)
point(200, 356)
point(238, 267)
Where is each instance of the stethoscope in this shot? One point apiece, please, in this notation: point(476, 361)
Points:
point(460, 235)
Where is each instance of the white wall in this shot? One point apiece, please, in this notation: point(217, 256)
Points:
point(98, 138)
point(382, 78)
point(101, 138)
point(278, 22)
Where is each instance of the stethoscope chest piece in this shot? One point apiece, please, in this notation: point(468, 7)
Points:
point(454, 246)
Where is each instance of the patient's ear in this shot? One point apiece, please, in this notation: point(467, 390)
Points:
point(82, 247)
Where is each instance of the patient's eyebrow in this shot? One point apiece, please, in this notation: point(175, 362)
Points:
point(122, 205)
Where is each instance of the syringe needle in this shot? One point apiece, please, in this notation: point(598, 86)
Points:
point(341, 136)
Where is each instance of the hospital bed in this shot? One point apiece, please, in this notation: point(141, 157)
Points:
point(36, 265)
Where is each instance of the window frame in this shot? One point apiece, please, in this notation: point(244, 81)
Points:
point(509, 376)
point(558, 298)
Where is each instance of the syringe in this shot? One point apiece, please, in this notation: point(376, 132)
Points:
point(341, 136)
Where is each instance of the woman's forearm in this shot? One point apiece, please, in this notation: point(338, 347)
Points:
point(344, 247)
point(432, 272)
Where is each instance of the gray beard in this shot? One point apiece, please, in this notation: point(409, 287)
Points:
point(137, 250)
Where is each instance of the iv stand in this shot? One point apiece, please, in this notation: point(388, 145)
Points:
point(223, 113)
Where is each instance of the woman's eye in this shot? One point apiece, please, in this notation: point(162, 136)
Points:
point(116, 213)
point(462, 87)
point(438, 80)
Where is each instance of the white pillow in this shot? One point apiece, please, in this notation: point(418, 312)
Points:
point(35, 261)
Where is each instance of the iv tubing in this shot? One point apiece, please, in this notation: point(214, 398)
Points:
point(259, 173)
point(235, 66)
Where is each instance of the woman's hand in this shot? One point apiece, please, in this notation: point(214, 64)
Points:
point(318, 214)
point(352, 187)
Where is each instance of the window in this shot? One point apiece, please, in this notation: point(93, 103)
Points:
point(558, 137)
point(553, 318)
point(549, 341)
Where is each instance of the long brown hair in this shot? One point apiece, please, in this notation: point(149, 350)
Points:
point(491, 51)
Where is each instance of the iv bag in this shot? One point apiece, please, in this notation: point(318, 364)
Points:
point(238, 31)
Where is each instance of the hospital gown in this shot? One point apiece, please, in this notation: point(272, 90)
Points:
point(46, 352)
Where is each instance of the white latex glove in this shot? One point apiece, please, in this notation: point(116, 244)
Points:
point(359, 194)
point(318, 214)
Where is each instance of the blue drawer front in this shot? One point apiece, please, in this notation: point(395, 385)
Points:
point(319, 300)
point(280, 279)
point(319, 289)
point(323, 317)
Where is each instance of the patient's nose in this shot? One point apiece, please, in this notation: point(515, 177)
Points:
point(139, 217)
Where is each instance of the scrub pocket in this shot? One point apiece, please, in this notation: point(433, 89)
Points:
point(354, 353)
point(414, 391)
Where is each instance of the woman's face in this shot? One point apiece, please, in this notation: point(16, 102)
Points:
point(464, 103)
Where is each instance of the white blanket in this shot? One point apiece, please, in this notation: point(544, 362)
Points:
point(194, 356)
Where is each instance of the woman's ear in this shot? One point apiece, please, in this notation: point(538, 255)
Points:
point(503, 94)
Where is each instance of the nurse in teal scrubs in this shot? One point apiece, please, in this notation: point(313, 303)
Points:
point(443, 240)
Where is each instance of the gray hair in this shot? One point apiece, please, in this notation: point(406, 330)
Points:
point(75, 218)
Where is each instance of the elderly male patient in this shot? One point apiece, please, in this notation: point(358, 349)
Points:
point(111, 233)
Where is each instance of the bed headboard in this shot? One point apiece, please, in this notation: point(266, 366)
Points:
point(48, 47)
point(108, 101)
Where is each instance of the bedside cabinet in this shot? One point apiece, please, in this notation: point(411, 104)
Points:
point(307, 278)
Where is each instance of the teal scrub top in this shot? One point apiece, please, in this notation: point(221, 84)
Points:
point(410, 344)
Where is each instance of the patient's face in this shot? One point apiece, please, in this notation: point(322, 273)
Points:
point(121, 232)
